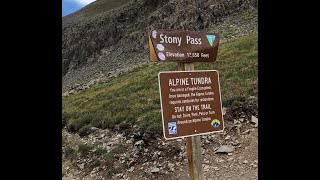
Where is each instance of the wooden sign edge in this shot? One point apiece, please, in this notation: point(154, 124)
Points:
point(152, 51)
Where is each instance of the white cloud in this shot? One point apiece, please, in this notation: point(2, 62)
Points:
point(82, 2)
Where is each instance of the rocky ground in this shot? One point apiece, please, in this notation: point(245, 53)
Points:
point(230, 155)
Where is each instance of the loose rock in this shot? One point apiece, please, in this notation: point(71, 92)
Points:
point(155, 170)
point(139, 143)
point(254, 120)
point(131, 169)
point(228, 137)
point(225, 149)
point(81, 166)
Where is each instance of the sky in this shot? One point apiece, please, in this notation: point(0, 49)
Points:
point(70, 6)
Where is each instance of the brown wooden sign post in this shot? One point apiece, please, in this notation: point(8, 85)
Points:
point(193, 107)
point(193, 143)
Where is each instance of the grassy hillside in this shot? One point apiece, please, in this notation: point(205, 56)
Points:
point(134, 96)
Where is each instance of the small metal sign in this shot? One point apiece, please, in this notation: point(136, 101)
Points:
point(190, 103)
point(183, 46)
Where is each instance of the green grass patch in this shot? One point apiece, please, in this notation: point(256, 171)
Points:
point(134, 96)
point(237, 64)
point(85, 130)
point(84, 149)
point(70, 153)
point(100, 151)
point(118, 149)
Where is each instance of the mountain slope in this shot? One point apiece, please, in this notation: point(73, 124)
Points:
point(134, 96)
point(91, 10)
point(98, 45)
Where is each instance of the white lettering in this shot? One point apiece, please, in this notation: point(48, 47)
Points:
point(201, 80)
point(179, 81)
point(162, 40)
point(191, 40)
point(170, 40)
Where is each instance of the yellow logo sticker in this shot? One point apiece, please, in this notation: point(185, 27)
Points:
point(215, 123)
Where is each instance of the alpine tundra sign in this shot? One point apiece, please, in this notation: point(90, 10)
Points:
point(190, 103)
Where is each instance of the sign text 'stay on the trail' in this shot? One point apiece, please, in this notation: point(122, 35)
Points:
point(190, 103)
point(183, 46)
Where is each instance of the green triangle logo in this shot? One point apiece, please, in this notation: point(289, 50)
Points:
point(211, 39)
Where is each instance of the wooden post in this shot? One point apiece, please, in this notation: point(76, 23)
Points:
point(194, 142)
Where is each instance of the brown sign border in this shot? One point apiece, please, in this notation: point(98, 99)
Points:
point(152, 49)
point(163, 127)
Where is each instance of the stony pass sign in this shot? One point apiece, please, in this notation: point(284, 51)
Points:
point(190, 103)
point(183, 46)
